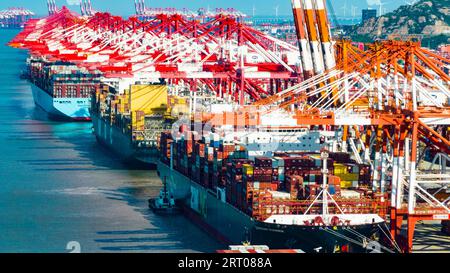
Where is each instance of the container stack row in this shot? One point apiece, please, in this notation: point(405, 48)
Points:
point(62, 80)
point(213, 163)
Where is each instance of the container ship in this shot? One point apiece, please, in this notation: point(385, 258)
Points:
point(14, 18)
point(245, 189)
point(129, 116)
point(63, 90)
point(127, 119)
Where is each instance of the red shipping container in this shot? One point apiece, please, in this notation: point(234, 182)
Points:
point(263, 162)
point(189, 147)
point(293, 182)
point(334, 180)
point(275, 185)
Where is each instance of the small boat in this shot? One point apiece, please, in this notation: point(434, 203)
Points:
point(164, 203)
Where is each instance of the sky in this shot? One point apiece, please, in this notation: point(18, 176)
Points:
point(261, 7)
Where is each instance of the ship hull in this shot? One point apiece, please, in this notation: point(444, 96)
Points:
point(231, 226)
point(76, 109)
point(312, 239)
point(120, 144)
point(225, 222)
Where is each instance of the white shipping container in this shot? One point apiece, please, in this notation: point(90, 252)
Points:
point(280, 195)
point(350, 194)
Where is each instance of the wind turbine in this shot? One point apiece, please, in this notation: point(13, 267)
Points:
point(354, 8)
point(276, 10)
point(345, 8)
point(381, 5)
point(254, 10)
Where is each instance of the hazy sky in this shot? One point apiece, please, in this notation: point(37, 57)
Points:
point(262, 7)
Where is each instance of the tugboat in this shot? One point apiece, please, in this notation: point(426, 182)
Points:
point(164, 203)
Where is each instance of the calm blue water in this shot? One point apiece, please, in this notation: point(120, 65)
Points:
point(57, 185)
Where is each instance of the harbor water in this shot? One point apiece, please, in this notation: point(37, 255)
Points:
point(60, 190)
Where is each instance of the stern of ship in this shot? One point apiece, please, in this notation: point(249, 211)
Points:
point(349, 233)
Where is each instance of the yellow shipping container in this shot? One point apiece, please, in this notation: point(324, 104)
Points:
point(248, 169)
point(147, 97)
point(177, 109)
point(137, 119)
point(161, 110)
point(177, 100)
point(121, 105)
point(346, 184)
point(340, 169)
point(176, 106)
point(347, 176)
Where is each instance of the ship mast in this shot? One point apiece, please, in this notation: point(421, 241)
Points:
point(324, 156)
point(324, 192)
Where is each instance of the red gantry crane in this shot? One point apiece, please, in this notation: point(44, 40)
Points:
point(220, 53)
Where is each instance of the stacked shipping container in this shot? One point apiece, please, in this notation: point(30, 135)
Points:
point(288, 177)
point(62, 80)
point(137, 110)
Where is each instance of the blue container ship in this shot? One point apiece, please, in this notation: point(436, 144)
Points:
point(63, 90)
